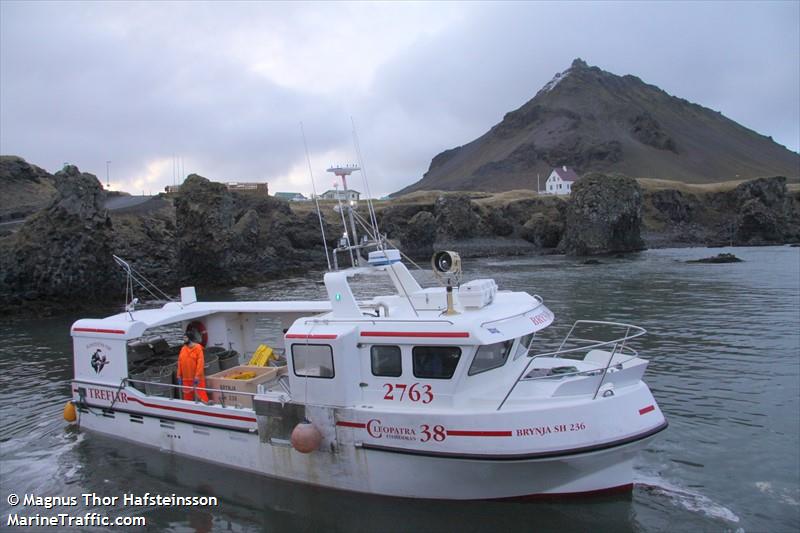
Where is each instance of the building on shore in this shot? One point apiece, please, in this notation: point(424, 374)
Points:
point(291, 196)
point(254, 187)
point(560, 181)
point(248, 186)
point(337, 194)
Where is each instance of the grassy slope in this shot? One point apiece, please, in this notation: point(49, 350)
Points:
point(496, 199)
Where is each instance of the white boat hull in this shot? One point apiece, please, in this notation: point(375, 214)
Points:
point(415, 394)
point(370, 469)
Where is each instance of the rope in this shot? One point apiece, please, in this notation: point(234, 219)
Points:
point(347, 233)
point(370, 207)
point(316, 198)
point(116, 394)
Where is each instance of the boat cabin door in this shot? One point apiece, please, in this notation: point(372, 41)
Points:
point(323, 364)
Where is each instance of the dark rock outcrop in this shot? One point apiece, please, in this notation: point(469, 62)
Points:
point(717, 259)
point(498, 223)
point(24, 188)
point(224, 237)
point(674, 205)
point(204, 215)
point(148, 242)
point(209, 236)
point(59, 253)
point(455, 221)
point(457, 218)
point(542, 231)
point(415, 239)
point(604, 215)
point(421, 234)
point(306, 235)
point(766, 212)
point(757, 212)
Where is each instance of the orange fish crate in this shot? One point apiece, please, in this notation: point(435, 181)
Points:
point(224, 381)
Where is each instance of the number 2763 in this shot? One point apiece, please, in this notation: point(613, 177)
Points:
point(416, 392)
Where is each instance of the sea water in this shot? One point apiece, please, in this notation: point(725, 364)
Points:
point(724, 348)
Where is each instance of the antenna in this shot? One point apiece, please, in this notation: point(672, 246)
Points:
point(342, 171)
point(370, 207)
point(316, 198)
point(345, 242)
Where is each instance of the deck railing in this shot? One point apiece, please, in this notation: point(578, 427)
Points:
point(618, 346)
point(180, 388)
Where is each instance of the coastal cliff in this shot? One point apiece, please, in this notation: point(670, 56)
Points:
point(61, 256)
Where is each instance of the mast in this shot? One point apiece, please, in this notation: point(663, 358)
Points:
point(343, 172)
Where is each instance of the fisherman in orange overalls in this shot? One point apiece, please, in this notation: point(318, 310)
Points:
point(190, 370)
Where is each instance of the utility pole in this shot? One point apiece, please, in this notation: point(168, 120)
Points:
point(108, 183)
point(538, 186)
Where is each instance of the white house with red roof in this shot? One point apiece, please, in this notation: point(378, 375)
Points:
point(560, 181)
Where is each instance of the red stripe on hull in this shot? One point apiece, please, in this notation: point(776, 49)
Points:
point(417, 334)
point(192, 411)
point(470, 433)
point(303, 336)
point(647, 409)
point(358, 425)
point(96, 330)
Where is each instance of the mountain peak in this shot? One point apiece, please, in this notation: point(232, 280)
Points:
point(578, 63)
point(592, 120)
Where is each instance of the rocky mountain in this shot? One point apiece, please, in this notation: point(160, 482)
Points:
point(595, 121)
point(61, 251)
point(24, 188)
point(61, 256)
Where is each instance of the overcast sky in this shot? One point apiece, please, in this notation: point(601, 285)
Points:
point(225, 86)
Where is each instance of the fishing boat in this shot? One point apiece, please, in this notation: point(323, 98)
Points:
point(442, 392)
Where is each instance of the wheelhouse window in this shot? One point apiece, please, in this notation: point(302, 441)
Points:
point(312, 360)
point(386, 361)
point(524, 345)
point(435, 362)
point(490, 356)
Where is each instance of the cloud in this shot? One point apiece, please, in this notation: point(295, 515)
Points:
point(225, 85)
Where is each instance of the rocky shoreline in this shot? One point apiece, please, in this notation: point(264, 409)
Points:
point(61, 256)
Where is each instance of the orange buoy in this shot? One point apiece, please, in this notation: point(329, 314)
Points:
point(69, 412)
point(306, 438)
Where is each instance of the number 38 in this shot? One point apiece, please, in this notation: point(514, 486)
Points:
point(437, 433)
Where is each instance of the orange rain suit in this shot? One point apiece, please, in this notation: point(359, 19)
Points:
point(190, 369)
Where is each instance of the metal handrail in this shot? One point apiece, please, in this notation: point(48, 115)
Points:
point(373, 320)
point(638, 332)
point(578, 349)
point(207, 389)
point(535, 307)
point(633, 354)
